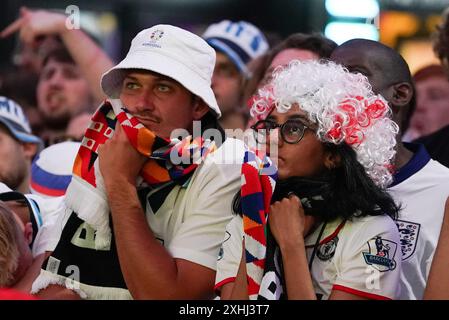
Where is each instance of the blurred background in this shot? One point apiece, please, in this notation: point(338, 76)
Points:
point(405, 25)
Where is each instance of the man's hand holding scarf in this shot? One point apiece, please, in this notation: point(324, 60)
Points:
point(120, 162)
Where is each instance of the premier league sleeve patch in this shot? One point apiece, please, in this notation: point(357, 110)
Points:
point(381, 253)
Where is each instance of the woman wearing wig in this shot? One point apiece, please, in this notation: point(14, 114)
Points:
point(328, 230)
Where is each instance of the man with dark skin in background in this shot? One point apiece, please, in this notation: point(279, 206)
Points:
point(420, 185)
point(389, 76)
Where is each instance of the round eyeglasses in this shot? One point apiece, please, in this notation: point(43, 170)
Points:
point(292, 131)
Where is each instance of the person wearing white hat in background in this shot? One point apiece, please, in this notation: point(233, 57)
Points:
point(51, 170)
point(18, 146)
point(236, 44)
point(165, 239)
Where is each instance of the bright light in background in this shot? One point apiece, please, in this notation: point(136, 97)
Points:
point(352, 19)
point(343, 31)
point(353, 8)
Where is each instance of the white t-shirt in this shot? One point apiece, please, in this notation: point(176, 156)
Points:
point(50, 209)
point(191, 221)
point(421, 187)
point(361, 257)
point(348, 258)
point(230, 253)
point(44, 214)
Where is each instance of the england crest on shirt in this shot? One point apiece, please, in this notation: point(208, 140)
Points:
point(381, 253)
point(408, 232)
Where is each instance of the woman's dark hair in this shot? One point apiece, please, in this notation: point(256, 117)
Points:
point(354, 192)
point(347, 190)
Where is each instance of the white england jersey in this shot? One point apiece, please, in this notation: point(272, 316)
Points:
point(421, 187)
point(191, 221)
point(361, 257)
point(230, 253)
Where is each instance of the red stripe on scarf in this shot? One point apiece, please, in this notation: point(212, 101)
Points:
point(257, 232)
point(250, 174)
point(253, 287)
point(256, 187)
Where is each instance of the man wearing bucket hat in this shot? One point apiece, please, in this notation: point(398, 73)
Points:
point(236, 44)
point(163, 235)
point(17, 146)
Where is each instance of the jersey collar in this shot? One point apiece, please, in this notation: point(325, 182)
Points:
point(331, 230)
point(420, 158)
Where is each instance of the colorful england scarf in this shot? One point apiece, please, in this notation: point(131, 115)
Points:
point(258, 180)
point(87, 240)
point(86, 193)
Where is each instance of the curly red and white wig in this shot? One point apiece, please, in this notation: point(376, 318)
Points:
point(343, 106)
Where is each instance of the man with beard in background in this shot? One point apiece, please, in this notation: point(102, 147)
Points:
point(68, 79)
point(62, 93)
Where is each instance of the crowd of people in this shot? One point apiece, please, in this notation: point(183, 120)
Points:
point(133, 180)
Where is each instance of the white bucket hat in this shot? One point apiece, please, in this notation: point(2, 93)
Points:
point(172, 52)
